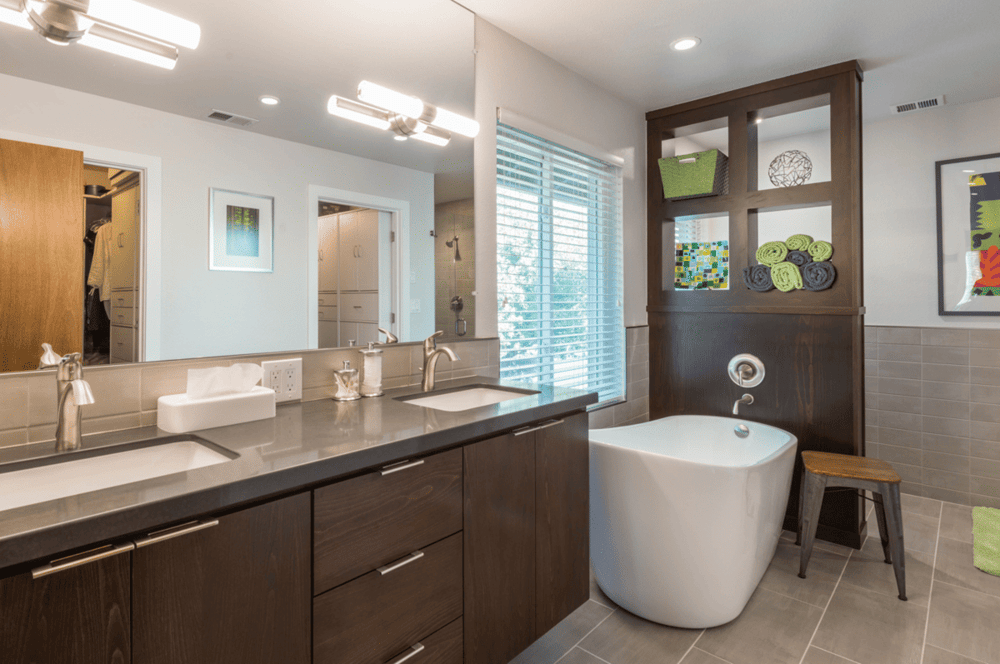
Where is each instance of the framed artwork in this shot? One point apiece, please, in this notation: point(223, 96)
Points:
point(968, 231)
point(240, 232)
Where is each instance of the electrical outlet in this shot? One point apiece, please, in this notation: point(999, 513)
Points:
point(285, 378)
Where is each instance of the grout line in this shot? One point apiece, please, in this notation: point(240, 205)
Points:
point(711, 655)
point(930, 592)
point(693, 644)
point(828, 602)
point(588, 652)
point(971, 590)
point(971, 659)
point(835, 654)
point(575, 645)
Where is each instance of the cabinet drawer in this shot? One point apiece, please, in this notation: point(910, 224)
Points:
point(442, 647)
point(328, 300)
point(360, 307)
point(327, 312)
point(123, 316)
point(375, 519)
point(377, 617)
point(123, 299)
point(123, 343)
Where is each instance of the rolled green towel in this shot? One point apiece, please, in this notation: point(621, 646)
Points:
point(986, 539)
point(821, 251)
point(818, 276)
point(786, 277)
point(771, 253)
point(798, 242)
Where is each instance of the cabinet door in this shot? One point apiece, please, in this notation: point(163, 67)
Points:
point(124, 247)
point(499, 548)
point(366, 234)
point(347, 256)
point(562, 535)
point(328, 337)
point(80, 615)
point(367, 332)
point(328, 254)
point(348, 332)
point(237, 593)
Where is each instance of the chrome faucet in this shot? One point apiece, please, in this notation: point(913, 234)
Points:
point(72, 392)
point(390, 338)
point(431, 355)
point(746, 398)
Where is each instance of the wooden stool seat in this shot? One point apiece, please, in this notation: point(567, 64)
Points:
point(849, 467)
point(823, 470)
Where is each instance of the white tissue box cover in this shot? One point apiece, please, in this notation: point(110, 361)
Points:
point(179, 413)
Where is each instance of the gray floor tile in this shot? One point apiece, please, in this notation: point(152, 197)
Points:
point(577, 656)
point(965, 622)
point(872, 628)
point(782, 575)
point(934, 655)
point(868, 569)
point(597, 595)
point(565, 635)
point(954, 566)
point(920, 532)
point(772, 628)
point(789, 536)
point(921, 506)
point(817, 656)
point(627, 639)
point(956, 522)
point(698, 656)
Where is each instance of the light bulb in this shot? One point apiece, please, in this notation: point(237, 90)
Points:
point(456, 123)
point(397, 102)
point(16, 18)
point(685, 43)
point(345, 108)
point(131, 52)
point(270, 100)
point(145, 20)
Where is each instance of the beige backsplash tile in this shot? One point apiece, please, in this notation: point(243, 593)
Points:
point(13, 404)
point(12, 438)
point(116, 391)
point(161, 379)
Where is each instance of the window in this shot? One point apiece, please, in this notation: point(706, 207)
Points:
point(559, 266)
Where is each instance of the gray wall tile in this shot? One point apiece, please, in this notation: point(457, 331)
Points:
point(899, 353)
point(984, 376)
point(984, 357)
point(871, 351)
point(899, 404)
point(951, 391)
point(984, 449)
point(986, 468)
point(899, 386)
point(904, 421)
point(945, 480)
point(984, 431)
point(945, 373)
point(986, 394)
point(935, 442)
point(947, 427)
point(958, 410)
point(894, 455)
point(984, 338)
point(941, 336)
point(899, 335)
point(909, 370)
point(899, 438)
point(945, 355)
point(952, 463)
point(982, 412)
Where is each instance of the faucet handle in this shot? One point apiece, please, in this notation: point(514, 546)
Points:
point(390, 338)
point(429, 343)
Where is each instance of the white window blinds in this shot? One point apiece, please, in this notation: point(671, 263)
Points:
point(559, 266)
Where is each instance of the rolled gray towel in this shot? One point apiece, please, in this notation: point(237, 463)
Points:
point(758, 278)
point(798, 258)
point(818, 276)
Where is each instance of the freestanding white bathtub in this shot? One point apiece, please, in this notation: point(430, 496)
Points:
point(685, 515)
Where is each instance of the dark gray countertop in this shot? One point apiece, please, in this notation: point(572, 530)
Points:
point(304, 445)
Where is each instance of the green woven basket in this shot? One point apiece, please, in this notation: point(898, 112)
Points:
point(695, 175)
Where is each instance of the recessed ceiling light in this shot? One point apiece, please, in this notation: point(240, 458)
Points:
point(685, 43)
point(969, 171)
point(759, 120)
point(270, 100)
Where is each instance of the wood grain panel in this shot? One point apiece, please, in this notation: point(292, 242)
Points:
point(374, 519)
point(237, 593)
point(562, 535)
point(41, 252)
point(72, 617)
point(443, 646)
point(499, 548)
point(376, 617)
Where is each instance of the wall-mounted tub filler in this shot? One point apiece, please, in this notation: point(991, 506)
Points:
point(746, 398)
point(746, 370)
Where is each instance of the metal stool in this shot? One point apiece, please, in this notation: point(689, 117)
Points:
point(822, 470)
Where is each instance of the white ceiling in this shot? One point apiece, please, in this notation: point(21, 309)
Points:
point(303, 52)
point(910, 49)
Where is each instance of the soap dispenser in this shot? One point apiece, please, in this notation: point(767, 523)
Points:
point(371, 380)
point(347, 383)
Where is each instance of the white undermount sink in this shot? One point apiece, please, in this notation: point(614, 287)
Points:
point(470, 397)
point(28, 483)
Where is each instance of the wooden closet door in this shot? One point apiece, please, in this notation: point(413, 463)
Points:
point(41, 252)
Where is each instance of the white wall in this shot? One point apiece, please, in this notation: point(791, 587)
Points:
point(900, 218)
point(513, 76)
point(203, 312)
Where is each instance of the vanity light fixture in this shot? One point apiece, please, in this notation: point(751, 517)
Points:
point(407, 116)
point(123, 27)
point(684, 43)
point(269, 100)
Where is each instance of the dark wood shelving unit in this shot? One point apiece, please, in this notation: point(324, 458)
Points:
point(812, 343)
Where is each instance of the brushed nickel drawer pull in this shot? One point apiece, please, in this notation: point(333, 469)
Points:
point(385, 569)
point(79, 559)
point(402, 465)
point(550, 423)
point(176, 531)
point(414, 649)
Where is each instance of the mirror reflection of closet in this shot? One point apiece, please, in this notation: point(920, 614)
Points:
point(354, 297)
point(111, 322)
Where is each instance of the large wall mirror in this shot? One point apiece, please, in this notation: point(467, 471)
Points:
point(341, 229)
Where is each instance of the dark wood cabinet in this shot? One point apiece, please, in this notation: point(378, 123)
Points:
point(236, 593)
point(77, 616)
point(526, 536)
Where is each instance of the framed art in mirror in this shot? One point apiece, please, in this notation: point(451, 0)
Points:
point(241, 232)
point(968, 234)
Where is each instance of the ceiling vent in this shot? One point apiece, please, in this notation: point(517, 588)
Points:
point(922, 105)
point(231, 118)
